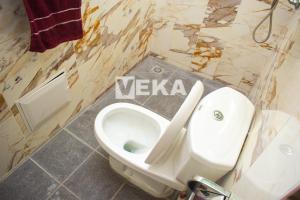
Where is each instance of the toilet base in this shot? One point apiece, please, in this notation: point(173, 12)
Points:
point(147, 184)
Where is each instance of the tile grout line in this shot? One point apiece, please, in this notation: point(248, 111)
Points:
point(93, 150)
point(118, 191)
point(146, 100)
point(72, 173)
point(79, 139)
point(81, 112)
point(70, 191)
point(100, 98)
point(47, 141)
point(26, 158)
point(48, 195)
point(2, 179)
point(62, 183)
point(62, 186)
point(84, 143)
point(42, 168)
point(157, 112)
point(5, 176)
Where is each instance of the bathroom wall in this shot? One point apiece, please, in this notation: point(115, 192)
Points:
point(116, 37)
point(210, 38)
point(276, 123)
point(214, 38)
point(270, 162)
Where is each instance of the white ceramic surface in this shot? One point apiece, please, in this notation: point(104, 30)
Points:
point(177, 123)
point(210, 149)
point(219, 141)
point(119, 123)
point(216, 134)
point(276, 171)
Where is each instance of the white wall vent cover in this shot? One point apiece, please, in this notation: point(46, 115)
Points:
point(41, 103)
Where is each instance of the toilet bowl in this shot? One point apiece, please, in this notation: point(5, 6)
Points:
point(159, 155)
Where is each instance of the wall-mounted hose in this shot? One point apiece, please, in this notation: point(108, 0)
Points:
point(269, 15)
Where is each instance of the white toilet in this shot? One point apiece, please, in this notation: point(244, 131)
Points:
point(159, 155)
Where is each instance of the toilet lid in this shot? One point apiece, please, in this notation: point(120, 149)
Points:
point(177, 123)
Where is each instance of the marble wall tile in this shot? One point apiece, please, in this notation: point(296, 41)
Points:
point(176, 29)
point(278, 95)
point(276, 172)
point(283, 91)
point(224, 49)
point(12, 144)
point(116, 36)
point(209, 38)
point(14, 39)
point(221, 14)
point(4, 110)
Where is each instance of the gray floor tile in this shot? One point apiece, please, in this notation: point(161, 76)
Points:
point(125, 88)
point(94, 180)
point(83, 127)
point(62, 194)
point(210, 86)
point(213, 85)
point(129, 192)
point(164, 105)
point(110, 99)
point(27, 182)
point(62, 155)
point(153, 68)
point(102, 152)
point(188, 81)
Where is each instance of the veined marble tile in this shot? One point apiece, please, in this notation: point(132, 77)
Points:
point(4, 110)
point(116, 36)
point(181, 11)
point(276, 172)
point(231, 24)
point(11, 144)
point(211, 38)
point(14, 34)
point(282, 95)
point(283, 92)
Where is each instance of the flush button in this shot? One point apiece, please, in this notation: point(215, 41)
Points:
point(218, 115)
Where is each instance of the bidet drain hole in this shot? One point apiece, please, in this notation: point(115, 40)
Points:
point(133, 147)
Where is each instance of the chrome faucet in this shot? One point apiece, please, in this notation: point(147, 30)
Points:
point(202, 188)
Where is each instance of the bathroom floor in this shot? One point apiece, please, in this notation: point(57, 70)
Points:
point(72, 165)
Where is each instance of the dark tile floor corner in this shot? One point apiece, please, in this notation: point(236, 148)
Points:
point(72, 165)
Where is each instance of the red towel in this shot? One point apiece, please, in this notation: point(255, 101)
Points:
point(53, 22)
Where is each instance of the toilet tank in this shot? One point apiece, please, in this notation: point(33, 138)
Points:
point(215, 135)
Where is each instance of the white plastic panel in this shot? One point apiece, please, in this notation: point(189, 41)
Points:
point(41, 103)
